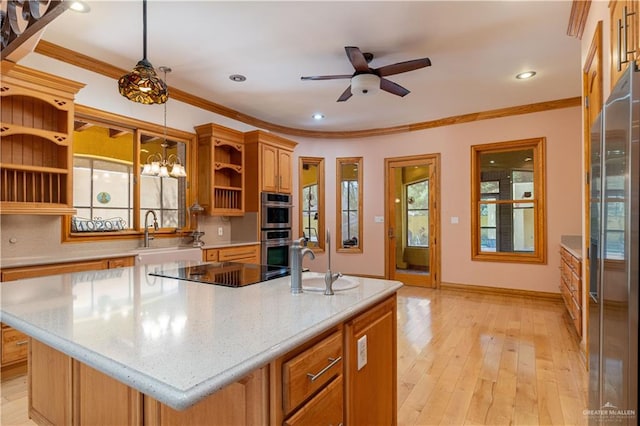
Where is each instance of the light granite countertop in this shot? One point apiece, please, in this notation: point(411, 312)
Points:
point(176, 341)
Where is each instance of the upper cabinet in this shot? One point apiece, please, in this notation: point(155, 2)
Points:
point(269, 162)
point(221, 170)
point(36, 128)
point(625, 36)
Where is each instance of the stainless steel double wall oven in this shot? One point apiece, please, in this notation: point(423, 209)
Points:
point(275, 224)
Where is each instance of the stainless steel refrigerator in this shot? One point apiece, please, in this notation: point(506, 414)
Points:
point(613, 253)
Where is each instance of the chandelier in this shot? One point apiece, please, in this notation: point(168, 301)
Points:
point(142, 84)
point(159, 164)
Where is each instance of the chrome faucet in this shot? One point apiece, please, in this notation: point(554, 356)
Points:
point(329, 278)
point(298, 252)
point(148, 238)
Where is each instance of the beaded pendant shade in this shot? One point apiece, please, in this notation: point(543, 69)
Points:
point(142, 84)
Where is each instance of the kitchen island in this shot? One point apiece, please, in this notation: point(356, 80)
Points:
point(169, 345)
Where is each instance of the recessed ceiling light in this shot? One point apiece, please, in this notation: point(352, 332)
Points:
point(79, 6)
point(318, 116)
point(237, 78)
point(525, 75)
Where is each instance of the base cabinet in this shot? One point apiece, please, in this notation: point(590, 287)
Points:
point(318, 383)
point(571, 287)
point(242, 403)
point(325, 409)
point(243, 254)
point(370, 367)
point(49, 379)
point(63, 391)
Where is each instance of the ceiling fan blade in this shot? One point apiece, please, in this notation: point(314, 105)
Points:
point(403, 67)
point(391, 87)
point(326, 77)
point(357, 59)
point(345, 95)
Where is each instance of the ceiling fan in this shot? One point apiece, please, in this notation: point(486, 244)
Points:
point(365, 80)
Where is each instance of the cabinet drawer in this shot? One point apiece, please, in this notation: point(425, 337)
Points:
point(576, 265)
point(232, 254)
point(14, 345)
point(211, 255)
point(324, 409)
point(309, 371)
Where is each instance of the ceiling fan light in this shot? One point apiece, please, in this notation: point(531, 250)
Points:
point(365, 84)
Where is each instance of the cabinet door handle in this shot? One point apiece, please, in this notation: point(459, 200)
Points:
point(333, 361)
point(22, 342)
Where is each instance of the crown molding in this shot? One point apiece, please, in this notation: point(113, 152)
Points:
point(60, 53)
point(578, 17)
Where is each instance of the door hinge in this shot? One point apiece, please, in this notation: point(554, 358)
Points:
point(586, 178)
point(586, 101)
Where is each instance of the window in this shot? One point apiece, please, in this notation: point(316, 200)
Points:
point(417, 198)
point(349, 204)
point(312, 201)
point(508, 222)
point(110, 194)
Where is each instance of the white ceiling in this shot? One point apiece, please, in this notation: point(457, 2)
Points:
point(476, 49)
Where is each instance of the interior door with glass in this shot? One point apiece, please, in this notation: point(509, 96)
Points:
point(412, 220)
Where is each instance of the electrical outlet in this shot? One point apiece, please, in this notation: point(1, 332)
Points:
point(220, 231)
point(362, 352)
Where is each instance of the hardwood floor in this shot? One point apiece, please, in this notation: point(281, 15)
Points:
point(463, 358)
point(472, 358)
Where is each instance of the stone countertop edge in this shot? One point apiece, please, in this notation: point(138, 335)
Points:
point(169, 395)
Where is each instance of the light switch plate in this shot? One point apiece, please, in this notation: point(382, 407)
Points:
point(362, 352)
point(378, 219)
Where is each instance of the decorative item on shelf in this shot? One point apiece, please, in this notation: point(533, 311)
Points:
point(142, 84)
point(158, 164)
point(196, 209)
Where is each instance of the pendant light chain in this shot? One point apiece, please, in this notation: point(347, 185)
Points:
point(144, 30)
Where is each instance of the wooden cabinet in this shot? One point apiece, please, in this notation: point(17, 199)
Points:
point(77, 394)
point(221, 176)
point(371, 389)
point(307, 383)
point(269, 163)
point(571, 286)
point(242, 254)
point(13, 344)
point(36, 129)
point(244, 402)
point(276, 169)
point(624, 37)
point(311, 370)
point(325, 409)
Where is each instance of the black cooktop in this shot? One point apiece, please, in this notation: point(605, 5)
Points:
point(228, 274)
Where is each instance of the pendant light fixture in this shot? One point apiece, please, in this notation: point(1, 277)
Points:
point(158, 164)
point(142, 83)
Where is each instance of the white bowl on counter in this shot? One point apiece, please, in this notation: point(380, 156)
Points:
point(314, 282)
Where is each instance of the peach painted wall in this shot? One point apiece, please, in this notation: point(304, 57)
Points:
point(562, 129)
